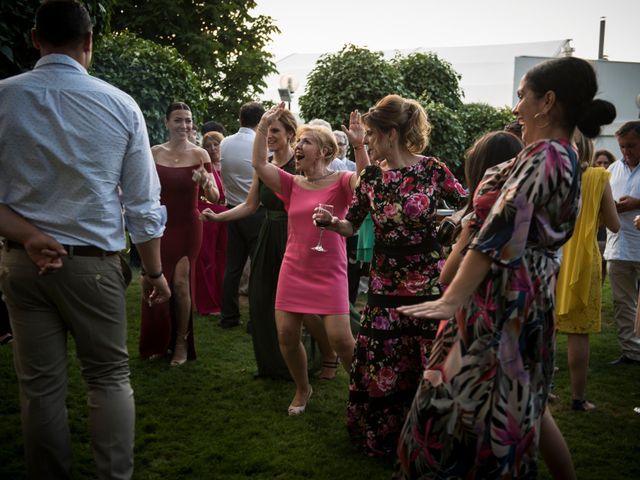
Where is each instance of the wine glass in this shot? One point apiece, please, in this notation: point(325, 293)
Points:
point(328, 209)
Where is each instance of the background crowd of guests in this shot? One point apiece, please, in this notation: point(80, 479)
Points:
point(452, 364)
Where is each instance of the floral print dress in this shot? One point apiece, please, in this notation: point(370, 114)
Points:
point(477, 412)
point(391, 349)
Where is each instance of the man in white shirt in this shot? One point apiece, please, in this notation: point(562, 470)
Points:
point(237, 174)
point(623, 248)
point(341, 162)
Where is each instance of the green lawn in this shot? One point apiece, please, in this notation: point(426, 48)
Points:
point(211, 420)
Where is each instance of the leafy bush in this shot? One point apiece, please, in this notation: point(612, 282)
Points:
point(153, 75)
point(447, 141)
point(353, 78)
point(427, 76)
point(480, 118)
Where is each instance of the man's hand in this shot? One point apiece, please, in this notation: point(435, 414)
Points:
point(626, 204)
point(155, 290)
point(45, 252)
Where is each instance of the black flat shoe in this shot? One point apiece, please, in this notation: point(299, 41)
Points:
point(582, 405)
point(624, 360)
point(227, 325)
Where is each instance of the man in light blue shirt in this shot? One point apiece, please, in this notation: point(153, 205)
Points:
point(74, 153)
point(237, 173)
point(623, 248)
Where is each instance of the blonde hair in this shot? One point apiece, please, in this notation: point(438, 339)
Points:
point(407, 117)
point(324, 138)
point(213, 136)
point(585, 149)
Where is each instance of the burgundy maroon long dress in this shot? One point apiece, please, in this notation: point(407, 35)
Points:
point(182, 238)
point(213, 257)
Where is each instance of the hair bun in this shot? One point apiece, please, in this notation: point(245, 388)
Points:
point(597, 113)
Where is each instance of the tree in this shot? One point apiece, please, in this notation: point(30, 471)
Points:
point(447, 141)
point(16, 21)
point(153, 75)
point(353, 78)
point(480, 118)
point(427, 76)
point(223, 43)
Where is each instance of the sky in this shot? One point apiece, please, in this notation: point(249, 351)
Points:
point(322, 26)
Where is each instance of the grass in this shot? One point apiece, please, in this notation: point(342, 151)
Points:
point(211, 420)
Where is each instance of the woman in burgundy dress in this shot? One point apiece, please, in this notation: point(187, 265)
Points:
point(184, 170)
point(213, 252)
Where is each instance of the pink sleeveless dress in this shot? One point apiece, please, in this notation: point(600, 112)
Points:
point(310, 281)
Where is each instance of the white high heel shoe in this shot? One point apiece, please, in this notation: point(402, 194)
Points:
point(299, 410)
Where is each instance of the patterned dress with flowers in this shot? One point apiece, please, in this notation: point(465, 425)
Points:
point(477, 412)
point(391, 349)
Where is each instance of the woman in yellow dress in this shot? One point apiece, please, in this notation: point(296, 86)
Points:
point(579, 287)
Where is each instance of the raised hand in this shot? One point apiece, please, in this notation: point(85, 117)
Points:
point(356, 132)
point(269, 117)
point(201, 176)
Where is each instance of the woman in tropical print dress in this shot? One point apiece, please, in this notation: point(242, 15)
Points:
point(402, 196)
point(479, 409)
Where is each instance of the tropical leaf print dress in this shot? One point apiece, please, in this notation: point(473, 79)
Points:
point(477, 412)
point(391, 349)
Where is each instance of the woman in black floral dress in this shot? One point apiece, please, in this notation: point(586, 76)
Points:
point(402, 195)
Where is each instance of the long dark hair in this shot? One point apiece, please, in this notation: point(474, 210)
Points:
point(491, 149)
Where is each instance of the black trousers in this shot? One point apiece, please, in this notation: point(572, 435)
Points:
point(354, 268)
point(242, 236)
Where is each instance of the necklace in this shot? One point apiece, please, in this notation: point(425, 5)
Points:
point(313, 180)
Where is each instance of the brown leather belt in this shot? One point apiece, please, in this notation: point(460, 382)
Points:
point(72, 250)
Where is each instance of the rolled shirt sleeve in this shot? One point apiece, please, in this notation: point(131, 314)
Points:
point(145, 217)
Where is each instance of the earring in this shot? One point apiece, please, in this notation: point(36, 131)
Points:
point(538, 115)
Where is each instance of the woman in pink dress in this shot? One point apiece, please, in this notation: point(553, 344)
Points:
point(310, 281)
point(213, 252)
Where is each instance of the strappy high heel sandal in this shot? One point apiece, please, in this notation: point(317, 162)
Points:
point(180, 351)
point(332, 366)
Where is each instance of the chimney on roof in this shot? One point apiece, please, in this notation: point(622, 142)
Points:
point(601, 55)
point(567, 49)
